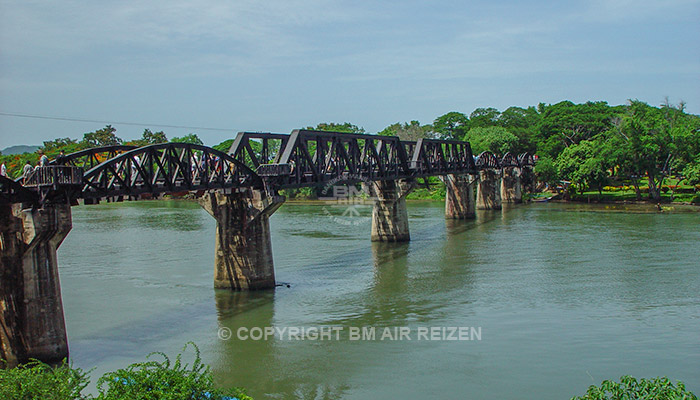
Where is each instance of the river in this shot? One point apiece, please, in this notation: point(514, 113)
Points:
point(562, 296)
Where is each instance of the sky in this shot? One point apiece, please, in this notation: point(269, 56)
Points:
point(278, 65)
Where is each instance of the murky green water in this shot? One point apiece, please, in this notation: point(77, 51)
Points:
point(565, 296)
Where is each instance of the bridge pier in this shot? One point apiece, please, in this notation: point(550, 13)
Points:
point(31, 309)
point(488, 195)
point(459, 196)
point(389, 214)
point(243, 258)
point(511, 187)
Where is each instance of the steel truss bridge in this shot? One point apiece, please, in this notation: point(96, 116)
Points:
point(263, 161)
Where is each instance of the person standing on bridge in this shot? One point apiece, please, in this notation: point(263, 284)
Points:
point(27, 170)
point(43, 160)
point(61, 159)
point(195, 163)
point(3, 169)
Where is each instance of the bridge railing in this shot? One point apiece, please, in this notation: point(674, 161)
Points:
point(54, 176)
point(13, 192)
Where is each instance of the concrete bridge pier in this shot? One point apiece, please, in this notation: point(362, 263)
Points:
point(389, 215)
point(511, 187)
point(31, 309)
point(243, 258)
point(459, 196)
point(488, 194)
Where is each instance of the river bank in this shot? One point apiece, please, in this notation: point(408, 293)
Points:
point(664, 205)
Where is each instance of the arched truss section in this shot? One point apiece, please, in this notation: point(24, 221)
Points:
point(167, 168)
point(487, 160)
point(509, 160)
point(526, 160)
point(89, 158)
point(14, 192)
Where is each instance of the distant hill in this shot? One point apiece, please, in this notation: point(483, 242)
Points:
point(19, 149)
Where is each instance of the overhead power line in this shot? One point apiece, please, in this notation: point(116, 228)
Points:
point(201, 128)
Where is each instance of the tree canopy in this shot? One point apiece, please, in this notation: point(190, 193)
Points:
point(588, 144)
point(345, 127)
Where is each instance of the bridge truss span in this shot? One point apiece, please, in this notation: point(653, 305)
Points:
point(167, 168)
point(90, 158)
point(317, 157)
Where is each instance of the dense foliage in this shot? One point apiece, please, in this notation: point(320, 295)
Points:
point(37, 380)
point(630, 388)
point(587, 146)
point(149, 380)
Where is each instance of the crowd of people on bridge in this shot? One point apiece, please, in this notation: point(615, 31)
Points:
point(198, 162)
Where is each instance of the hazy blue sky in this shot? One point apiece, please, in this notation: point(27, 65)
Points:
point(276, 65)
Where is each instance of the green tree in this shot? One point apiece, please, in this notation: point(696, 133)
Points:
point(691, 172)
point(56, 145)
point(495, 139)
point(411, 131)
point(154, 137)
point(345, 127)
point(685, 131)
point(452, 125)
point(546, 171)
point(565, 123)
point(484, 117)
point(53, 147)
point(148, 137)
point(191, 138)
point(225, 146)
point(584, 165)
point(102, 137)
point(648, 141)
point(523, 123)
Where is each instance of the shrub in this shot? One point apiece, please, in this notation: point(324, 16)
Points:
point(36, 380)
point(150, 380)
point(644, 389)
point(161, 380)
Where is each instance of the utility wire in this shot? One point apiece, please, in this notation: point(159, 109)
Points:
point(201, 128)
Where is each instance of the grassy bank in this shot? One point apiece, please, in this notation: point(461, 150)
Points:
point(674, 191)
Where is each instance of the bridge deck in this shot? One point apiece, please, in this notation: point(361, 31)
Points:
point(255, 160)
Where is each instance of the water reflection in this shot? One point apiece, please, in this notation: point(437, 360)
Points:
point(273, 368)
point(158, 215)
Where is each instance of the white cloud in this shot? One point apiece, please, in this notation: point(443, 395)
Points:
point(72, 26)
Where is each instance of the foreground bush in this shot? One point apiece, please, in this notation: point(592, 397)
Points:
point(149, 380)
point(36, 380)
point(161, 380)
point(631, 389)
